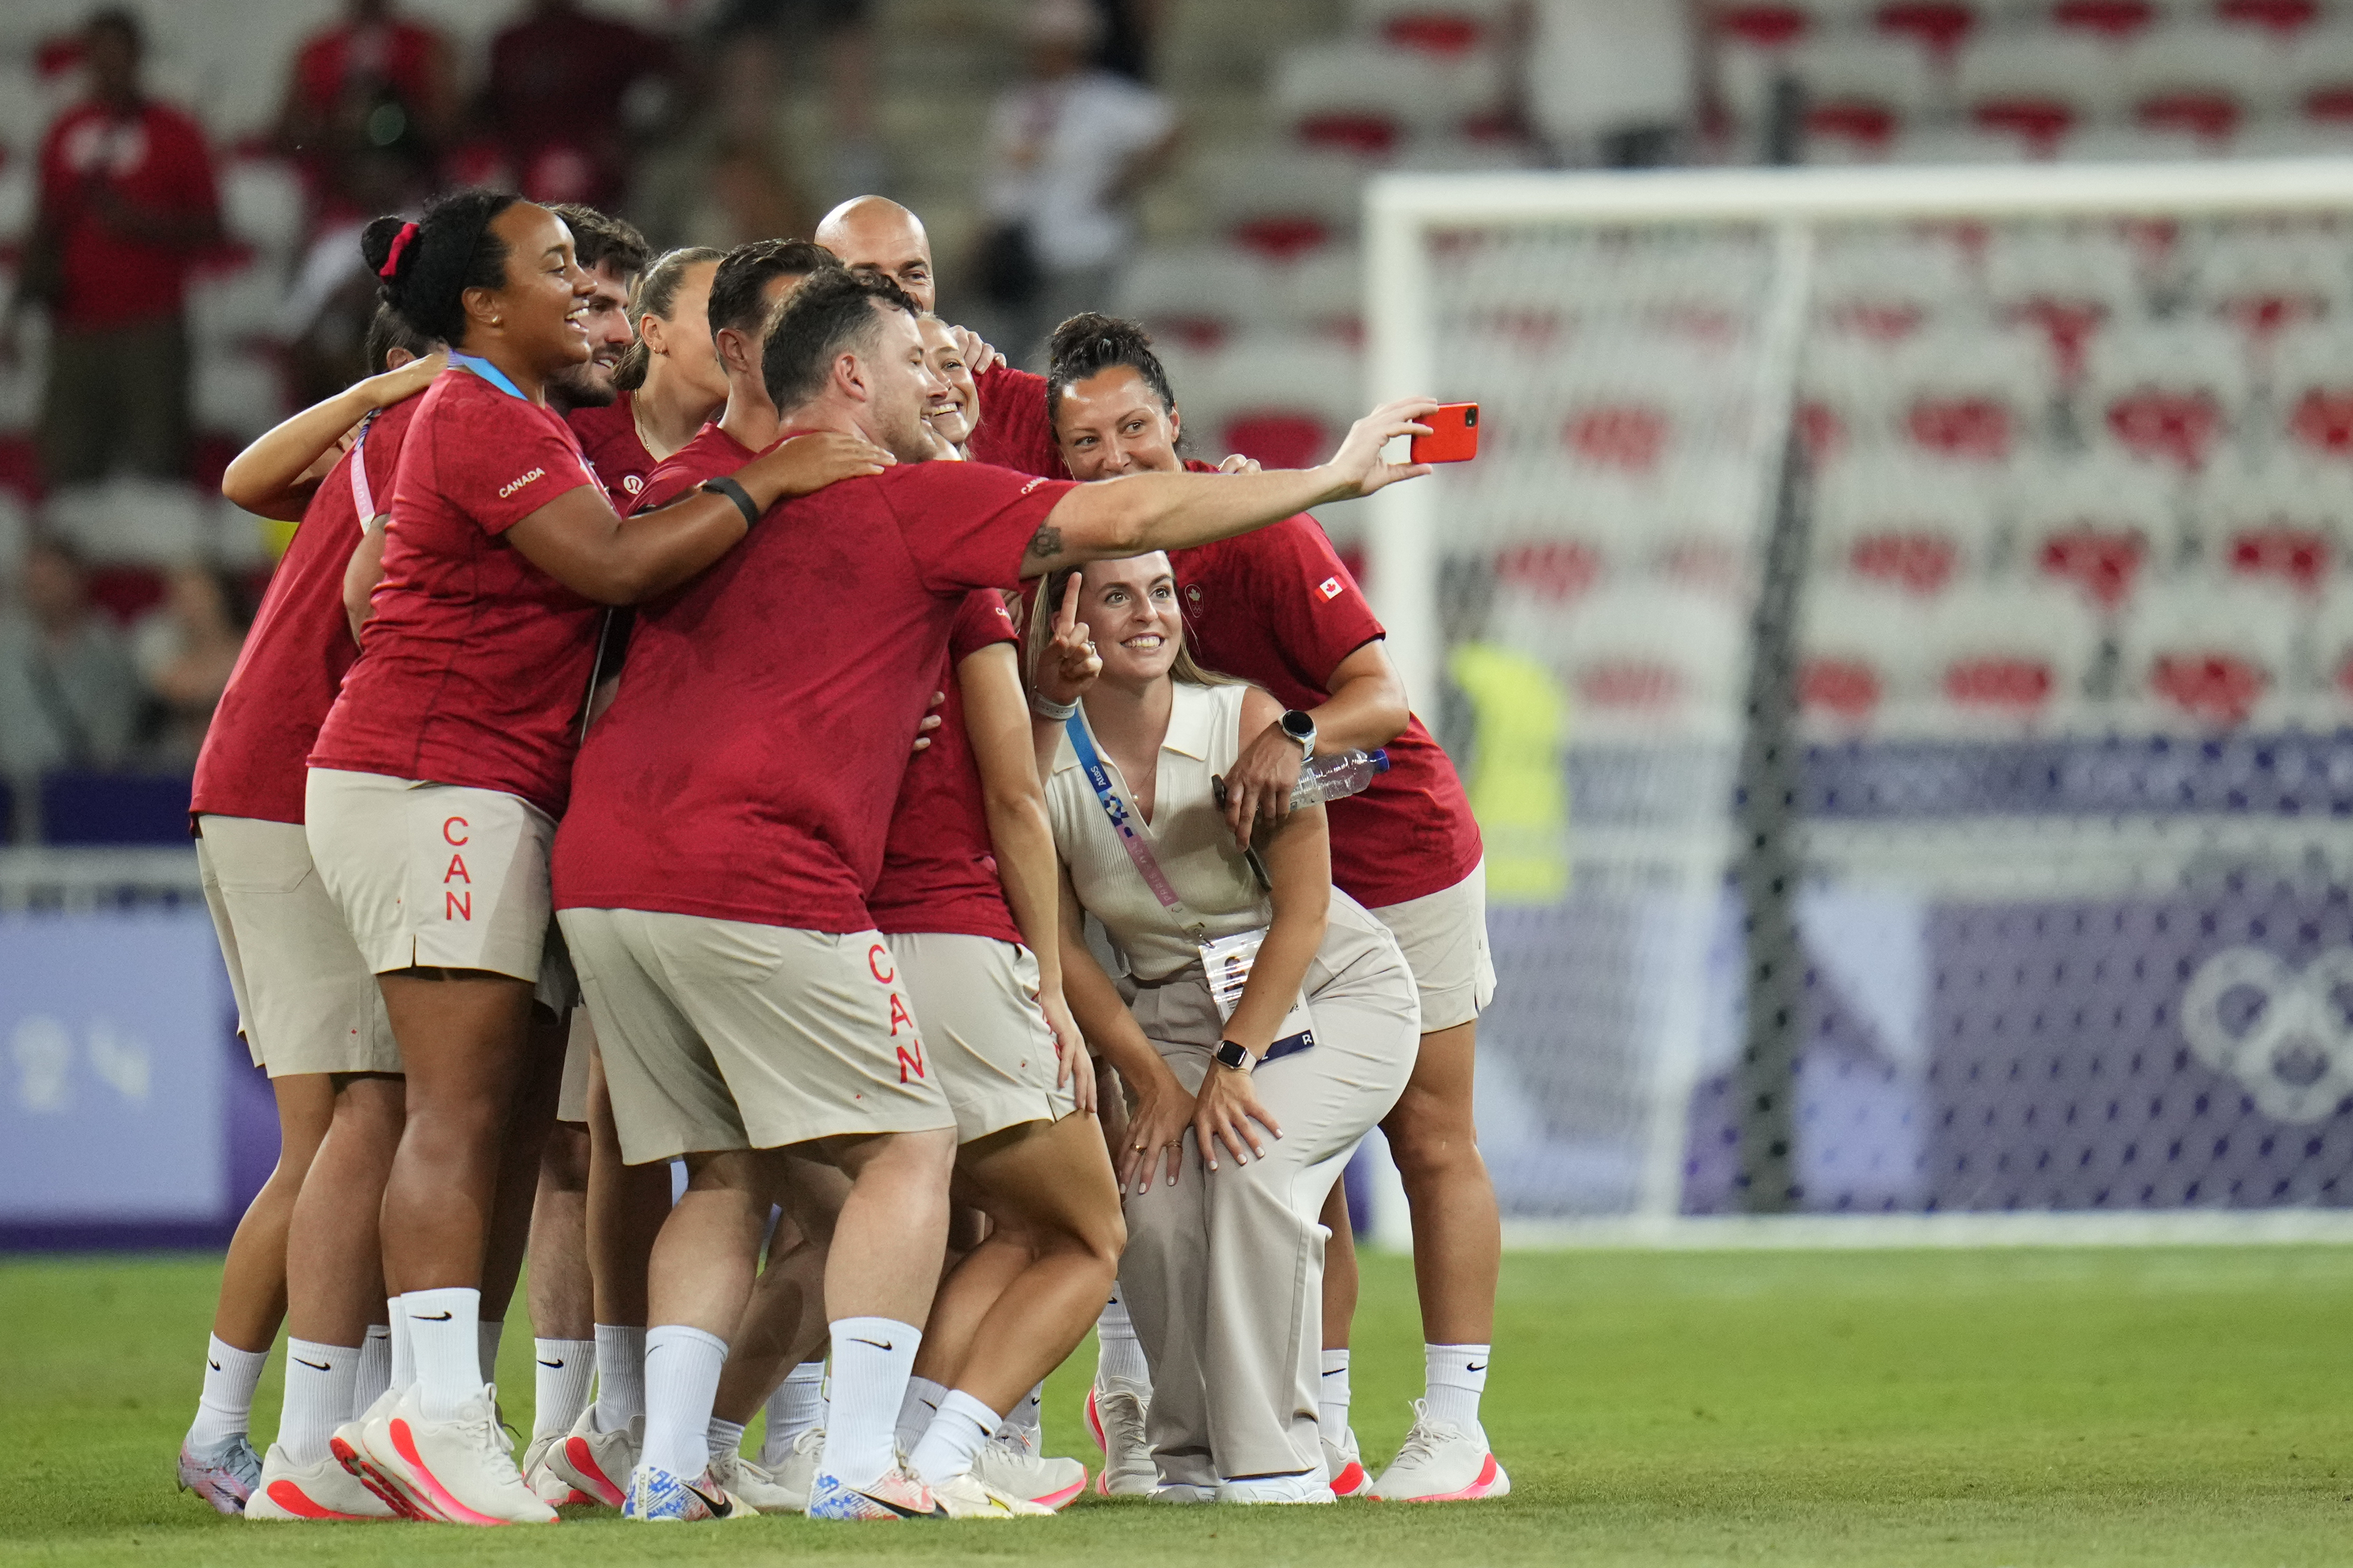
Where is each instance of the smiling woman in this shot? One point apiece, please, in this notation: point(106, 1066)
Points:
point(437, 778)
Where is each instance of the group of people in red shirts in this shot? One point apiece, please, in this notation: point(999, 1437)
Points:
point(638, 759)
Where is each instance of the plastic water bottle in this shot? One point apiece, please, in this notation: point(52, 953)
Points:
point(1337, 776)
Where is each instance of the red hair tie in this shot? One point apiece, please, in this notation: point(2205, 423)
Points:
point(399, 243)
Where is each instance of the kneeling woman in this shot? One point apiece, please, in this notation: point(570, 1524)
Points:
point(1241, 1123)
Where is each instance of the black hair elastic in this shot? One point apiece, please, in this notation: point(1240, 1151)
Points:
point(723, 486)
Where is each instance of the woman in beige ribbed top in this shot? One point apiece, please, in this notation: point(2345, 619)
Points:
point(1226, 1168)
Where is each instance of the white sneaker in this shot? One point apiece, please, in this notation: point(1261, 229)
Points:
point(1440, 1463)
point(357, 1442)
point(321, 1490)
point(795, 1472)
point(597, 1464)
point(1115, 1417)
point(1008, 1465)
point(663, 1497)
point(463, 1467)
point(1308, 1486)
point(552, 1490)
point(966, 1497)
point(1344, 1465)
point(1182, 1492)
point(755, 1485)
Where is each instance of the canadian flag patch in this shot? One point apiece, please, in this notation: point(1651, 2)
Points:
point(1329, 588)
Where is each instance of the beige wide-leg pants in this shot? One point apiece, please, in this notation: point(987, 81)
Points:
point(1224, 1271)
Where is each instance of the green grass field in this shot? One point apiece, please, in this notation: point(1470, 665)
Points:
point(2185, 1406)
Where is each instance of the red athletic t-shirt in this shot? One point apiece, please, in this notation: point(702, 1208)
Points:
point(748, 769)
point(1277, 608)
point(710, 453)
point(619, 458)
point(939, 863)
point(252, 763)
point(476, 661)
point(151, 157)
point(1014, 431)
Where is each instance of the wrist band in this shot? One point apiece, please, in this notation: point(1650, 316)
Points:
point(1060, 712)
point(723, 486)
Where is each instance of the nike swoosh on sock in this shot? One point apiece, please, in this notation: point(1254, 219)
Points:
point(214, 1364)
point(317, 1365)
point(1476, 1366)
point(431, 1317)
point(552, 1363)
point(878, 1344)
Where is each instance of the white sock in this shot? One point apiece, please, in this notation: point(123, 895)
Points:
point(375, 1368)
point(872, 1359)
point(797, 1407)
point(445, 1334)
point(945, 1451)
point(916, 1411)
point(404, 1343)
point(726, 1436)
point(620, 1375)
point(1453, 1379)
point(1332, 1399)
point(319, 1383)
point(682, 1380)
point(1119, 1354)
point(225, 1410)
point(487, 1336)
point(1027, 1420)
point(565, 1371)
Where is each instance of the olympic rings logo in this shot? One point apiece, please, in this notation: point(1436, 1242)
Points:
point(2293, 1050)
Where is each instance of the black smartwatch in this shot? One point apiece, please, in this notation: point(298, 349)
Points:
point(1230, 1055)
point(1300, 726)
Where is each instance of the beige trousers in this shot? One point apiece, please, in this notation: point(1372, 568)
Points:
point(1224, 1271)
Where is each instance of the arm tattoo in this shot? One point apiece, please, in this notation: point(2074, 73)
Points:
point(1046, 543)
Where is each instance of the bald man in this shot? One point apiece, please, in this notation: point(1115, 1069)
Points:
point(1015, 431)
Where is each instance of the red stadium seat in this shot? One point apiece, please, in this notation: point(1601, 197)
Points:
point(2008, 655)
point(1938, 26)
point(1764, 25)
point(2115, 20)
point(2169, 395)
point(2210, 654)
point(2283, 18)
point(2037, 87)
point(2097, 527)
point(1434, 32)
point(2312, 385)
point(2201, 80)
point(1632, 436)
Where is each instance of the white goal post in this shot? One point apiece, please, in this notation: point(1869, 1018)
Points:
point(1419, 538)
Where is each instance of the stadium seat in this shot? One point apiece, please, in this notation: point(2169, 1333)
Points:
point(2038, 88)
point(2317, 76)
point(2288, 21)
point(1285, 401)
point(2213, 654)
point(2102, 528)
point(1199, 294)
point(239, 392)
point(1283, 206)
point(2002, 657)
point(2065, 283)
point(1323, 291)
point(2167, 393)
point(2270, 279)
point(1443, 27)
point(135, 522)
point(1968, 395)
point(1939, 26)
point(262, 206)
point(2112, 21)
point(1861, 92)
point(1645, 660)
point(234, 304)
point(2204, 80)
point(2287, 521)
point(114, 809)
point(1889, 286)
point(1859, 647)
point(1908, 523)
point(1761, 26)
point(1364, 98)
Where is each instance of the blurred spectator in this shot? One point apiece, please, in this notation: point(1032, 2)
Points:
point(373, 83)
point(1612, 83)
point(69, 694)
point(566, 90)
point(1068, 149)
point(127, 201)
point(740, 193)
point(184, 651)
point(1130, 29)
point(752, 42)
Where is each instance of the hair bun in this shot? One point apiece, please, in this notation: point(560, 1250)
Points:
point(376, 246)
point(1093, 336)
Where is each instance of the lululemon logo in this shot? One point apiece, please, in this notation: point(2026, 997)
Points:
point(2282, 1032)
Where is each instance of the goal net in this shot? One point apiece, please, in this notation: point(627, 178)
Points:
point(1898, 639)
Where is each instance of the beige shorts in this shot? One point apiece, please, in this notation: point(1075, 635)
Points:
point(990, 1041)
point(726, 1035)
point(437, 875)
point(305, 1001)
point(571, 1100)
point(1444, 938)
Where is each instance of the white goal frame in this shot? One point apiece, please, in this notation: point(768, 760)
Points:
point(1402, 556)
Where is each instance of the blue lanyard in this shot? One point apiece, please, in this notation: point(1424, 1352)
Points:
point(1147, 864)
point(487, 372)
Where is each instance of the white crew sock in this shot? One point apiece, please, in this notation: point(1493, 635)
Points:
point(487, 1336)
point(1027, 1420)
point(404, 1343)
point(1119, 1354)
point(916, 1411)
point(1454, 1377)
point(682, 1380)
point(872, 1358)
point(946, 1452)
point(620, 1375)
point(726, 1437)
point(375, 1368)
point(319, 1383)
point(797, 1407)
point(564, 1371)
point(445, 1333)
point(1332, 1399)
point(225, 1410)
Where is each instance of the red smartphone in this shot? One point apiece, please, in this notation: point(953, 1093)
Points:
point(1453, 436)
